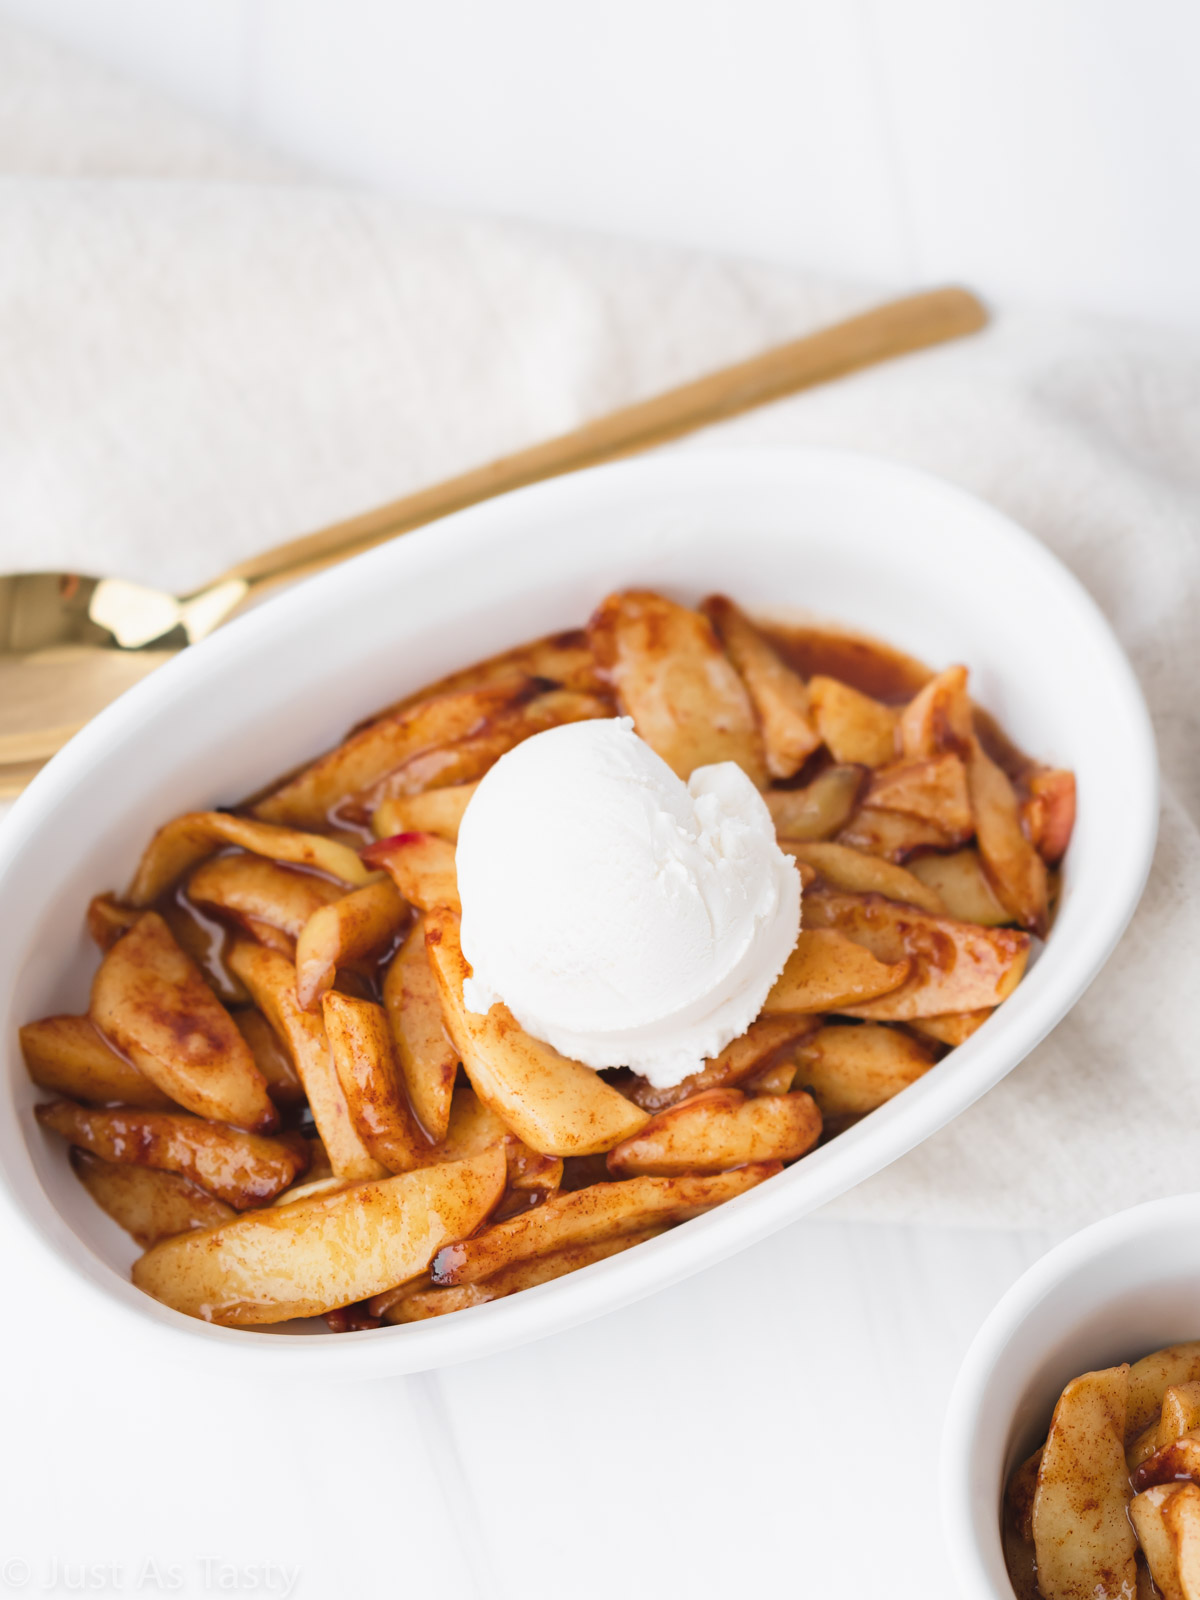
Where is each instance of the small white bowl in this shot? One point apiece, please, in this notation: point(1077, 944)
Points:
point(875, 546)
point(1114, 1292)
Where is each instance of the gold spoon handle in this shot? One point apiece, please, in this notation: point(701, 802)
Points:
point(889, 330)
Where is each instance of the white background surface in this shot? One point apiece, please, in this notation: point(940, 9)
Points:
point(1046, 150)
point(775, 1420)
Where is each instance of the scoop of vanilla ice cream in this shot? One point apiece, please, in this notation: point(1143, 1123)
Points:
point(623, 916)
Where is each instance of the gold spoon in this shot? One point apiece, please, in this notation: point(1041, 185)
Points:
point(69, 644)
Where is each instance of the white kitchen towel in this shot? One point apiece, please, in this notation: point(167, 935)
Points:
point(204, 351)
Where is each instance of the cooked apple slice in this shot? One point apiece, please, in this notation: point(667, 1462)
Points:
point(1180, 1412)
point(149, 1204)
point(1170, 1463)
point(437, 811)
point(851, 1070)
point(370, 1079)
point(940, 720)
point(956, 966)
point(561, 658)
point(270, 1057)
point(763, 1045)
point(1048, 812)
point(1084, 1542)
point(68, 1056)
point(182, 844)
point(255, 891)
point(827, 971)
point(243, 1169)
point(1181, 1516)
point(452, 765)
point(331, 1250)
point(1017, 872)
point(384, 744)
point(844, 868)
point(1018, 1499)
point(854, 727)
point(963, 885)
point(422, 867)
point(602, 1211)
point(271, 979)
point(821, 808)
point(1153, 1375)
point(718, 1130)
point(108, 919)
point(777, 693)
point(556, 1106)
point(777, 1079)
point(1157, 1540)
point(933, 788)
point(1142, 1448)
point(344, 931)
point(427, 1058)
point(415, 1303)
point(954, 1029)
point(672, 677)
point(150, 1001)
point(891, 835)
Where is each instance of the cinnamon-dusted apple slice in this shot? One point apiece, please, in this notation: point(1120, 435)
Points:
point(965, 888)
point(1180, 1412)
point(1153, 1375)
point(953, 1029)
point(243, 1169)
point(827, 971)
point(852, 1070)
point(1048, 812)
point(564, 659)
point(893, 836)
point(1158, 1541)
point(330, 1250)
point(603, 1211)
point(108, 919)
point(344, 931)
point(466, 760)
point(672, 677)
point(271, 979)
point(854, 727)
point(271, 1057)
point(842, 867)
point(819, 809)
point(428, 1060)
point(764, 1044)
point(933, 788)
point(1171, 1463)
point(939, 720)
point(421, 866)
point(180, 845)
point(151, 1001)
point(956, 966)
point(719, 1130)
point(370, 1079)
point(556, 1106)
point(69, 1056)
point(415, 1302)
point(1081, 1531)
point(778, 694)
point(384, 744)
point(255, 891)
point(1181, 1517)
point(149, 1204)
point(437, 811)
